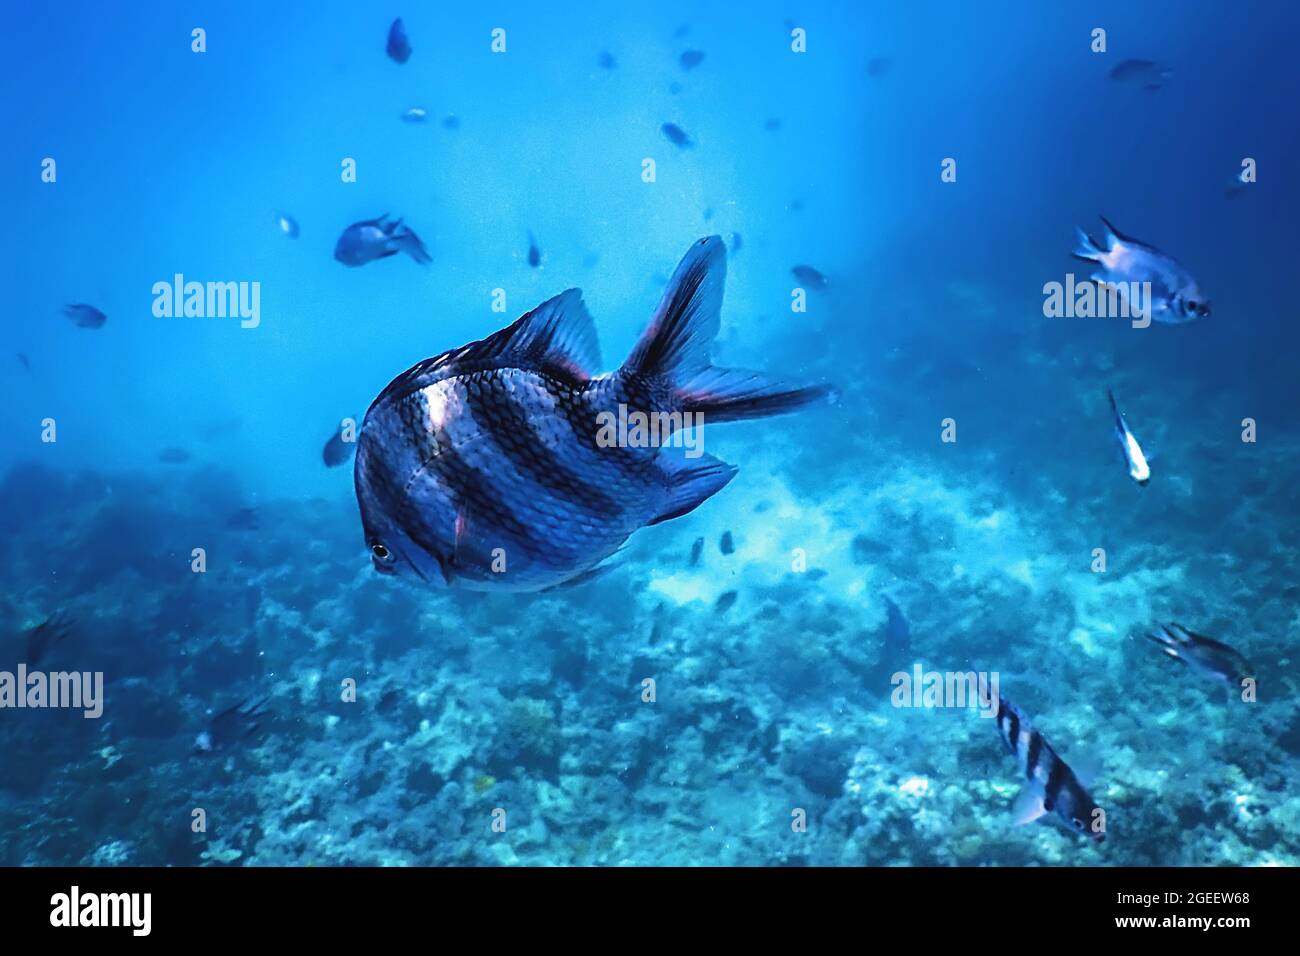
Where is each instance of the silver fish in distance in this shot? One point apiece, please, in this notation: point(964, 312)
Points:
point(373, 239)
point(287, 225)
point(1138, 468)
point(1052, 786)
point(1175, 297)
point(492, 466)
point(1209, 658)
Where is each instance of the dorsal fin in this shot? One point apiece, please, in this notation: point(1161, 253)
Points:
point(558, 336)
point(1119, 235)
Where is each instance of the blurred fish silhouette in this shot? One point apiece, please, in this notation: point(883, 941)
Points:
point(772, 125)
point(725, 602)
point(810, 277)
point(534, 254)
point(736, 243)
point(340, 448)
point(41, 639)
point(691, 59)
point(450, 121)
point(727, 544)
point(232, 726)
point(877, 67)
point(697, 549)
point(399, 47)
point(416, 114)
point(287, 225)
point(173, 456)
point(677, 135)
point(85, 316)
point(1143, 73)
point(606, 61)
point(26, 363)
point(373, 239)
point(896, 636)
point(497, 465)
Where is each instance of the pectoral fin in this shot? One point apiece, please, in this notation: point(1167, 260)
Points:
point(1028, 807)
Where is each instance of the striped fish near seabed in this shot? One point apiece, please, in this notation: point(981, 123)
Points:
point(486, 467)
point(1052, 786)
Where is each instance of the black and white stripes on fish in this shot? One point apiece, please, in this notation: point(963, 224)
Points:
point(487, 467)
point(547, 452)
point(1052, 786)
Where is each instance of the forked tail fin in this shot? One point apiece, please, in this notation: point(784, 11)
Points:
point(673, 351)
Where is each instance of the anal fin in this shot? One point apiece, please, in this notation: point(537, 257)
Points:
point(692, 481)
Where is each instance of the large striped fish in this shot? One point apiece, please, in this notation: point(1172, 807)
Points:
point(484, 467)
point(1052, 786)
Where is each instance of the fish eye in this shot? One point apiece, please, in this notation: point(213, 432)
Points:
point(379, 551)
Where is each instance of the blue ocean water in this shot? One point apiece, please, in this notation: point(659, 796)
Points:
point(930, 161)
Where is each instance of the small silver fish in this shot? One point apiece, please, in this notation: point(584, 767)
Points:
point(1175, 297)
point(416, 114)
point(1143, 73)
point(85, 316)
point(1138, 468)
point(1213, 660)
point(373, 239)
point(677, 135)
point(288, 226)
point(1052, 786)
